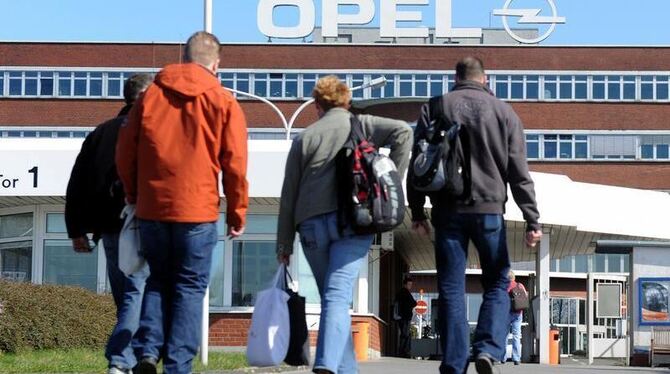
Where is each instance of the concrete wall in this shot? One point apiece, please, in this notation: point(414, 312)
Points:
point(647, 262)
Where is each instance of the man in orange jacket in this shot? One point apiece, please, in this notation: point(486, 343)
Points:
point(179, 136)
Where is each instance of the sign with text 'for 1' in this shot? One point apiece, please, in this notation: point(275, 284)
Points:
point(390, 15)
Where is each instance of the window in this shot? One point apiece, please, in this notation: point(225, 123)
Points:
point(647, 88)
point(581, 264)
point(276, 85)
point(95, 84)
point(291, 85)
point(614, 263)
point(581, 87)
point(600, 263)
point(254, 265)
point(2, 83)
point(565, 87)
point(629, 88)
point(356, 81)
point(56, 223)
point(550, 87)
point(405, 83)
point(216, 277)
point(308, 287)
point(614, 87)
point(64, 83)
point(64, 266)
point(565, 146)
point(16, 247)
point(532, 87)
point(550, 146)
point(517, 87)
point(581, 147)
point(227, 80)
point(613, 146)
point(80, 83)
point(533, 146)
point(261, 84)
point(46, 83)
point(598, 87)
point(15, 83)
point(474, 303)
point(502, 87)
point(114, 84)
point(662, 151)
point(308, 83)
point(647, 151)
point(30, 83)
point(242, 82)
point(661, 88)
point(565, 265)
point(436, 85)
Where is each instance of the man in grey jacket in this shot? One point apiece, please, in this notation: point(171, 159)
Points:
point(495, 155)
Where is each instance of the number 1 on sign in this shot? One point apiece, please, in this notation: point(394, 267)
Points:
point(34, 172)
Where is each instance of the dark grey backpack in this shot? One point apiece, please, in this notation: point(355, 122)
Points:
point(440, 160)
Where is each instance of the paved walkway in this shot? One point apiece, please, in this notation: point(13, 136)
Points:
point(400, 366)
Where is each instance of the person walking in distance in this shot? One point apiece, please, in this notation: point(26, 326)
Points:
point(309, 202)
point(180, 135)
point(93, 204)
point(494, 154)
point(405, 303)
point(515, 318)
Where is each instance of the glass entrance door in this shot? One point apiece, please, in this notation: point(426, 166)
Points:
point(565, 314)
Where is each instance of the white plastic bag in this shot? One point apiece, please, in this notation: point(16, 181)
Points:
point(130, 260)
point(270, 329)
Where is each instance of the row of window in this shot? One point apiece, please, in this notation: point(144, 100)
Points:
point(598, 147)
point(598, 263)
point(281, 85)
point(540, 146)
point(234, 284)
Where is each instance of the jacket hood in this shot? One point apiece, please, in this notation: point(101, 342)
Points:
point(189, 80)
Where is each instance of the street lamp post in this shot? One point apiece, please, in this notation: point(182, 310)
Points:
point(208, 16)
point(375, 83)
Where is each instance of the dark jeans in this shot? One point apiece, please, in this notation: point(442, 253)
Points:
point(453, 233)
point(404, 338)
point(127, 293)
point(179, 257)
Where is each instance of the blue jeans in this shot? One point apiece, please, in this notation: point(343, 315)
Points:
point(453, 233)
point(179, 257)
point(336, 260)
point(515, 328)
point(127, 293)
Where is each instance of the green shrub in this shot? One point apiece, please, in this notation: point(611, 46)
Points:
point(48, 317)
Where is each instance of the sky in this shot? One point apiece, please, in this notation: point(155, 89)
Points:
point(588, 22)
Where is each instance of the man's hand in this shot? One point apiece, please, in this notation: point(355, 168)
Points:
point(533, 237)
point(234, 232)
point(421, 227)
point(284, 258)
point(81, 245)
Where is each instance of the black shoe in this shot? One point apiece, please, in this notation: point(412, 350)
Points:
point(484, 364)
point(516, 363)
point(146, 366)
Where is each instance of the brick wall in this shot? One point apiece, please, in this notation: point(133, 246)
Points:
point(311, 56)
point(231, 329)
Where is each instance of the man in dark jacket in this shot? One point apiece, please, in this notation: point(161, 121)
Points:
point(495, 154)
point(93, 204)
point(405, 304)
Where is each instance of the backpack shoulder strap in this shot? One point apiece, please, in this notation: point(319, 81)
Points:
point(357, 131)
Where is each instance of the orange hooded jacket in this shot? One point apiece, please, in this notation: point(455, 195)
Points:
point(180, 134)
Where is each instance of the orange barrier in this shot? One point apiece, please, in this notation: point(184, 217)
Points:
point(554, 346)
point(361, 338)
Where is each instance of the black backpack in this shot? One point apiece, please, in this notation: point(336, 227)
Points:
point(518, 298)
point(440, 162)
point(370, 194)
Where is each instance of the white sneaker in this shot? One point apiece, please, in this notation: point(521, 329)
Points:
point(115, 370)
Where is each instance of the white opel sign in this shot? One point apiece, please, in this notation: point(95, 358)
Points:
point(389, 17)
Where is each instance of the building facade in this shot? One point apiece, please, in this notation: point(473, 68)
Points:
point(594, 114)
